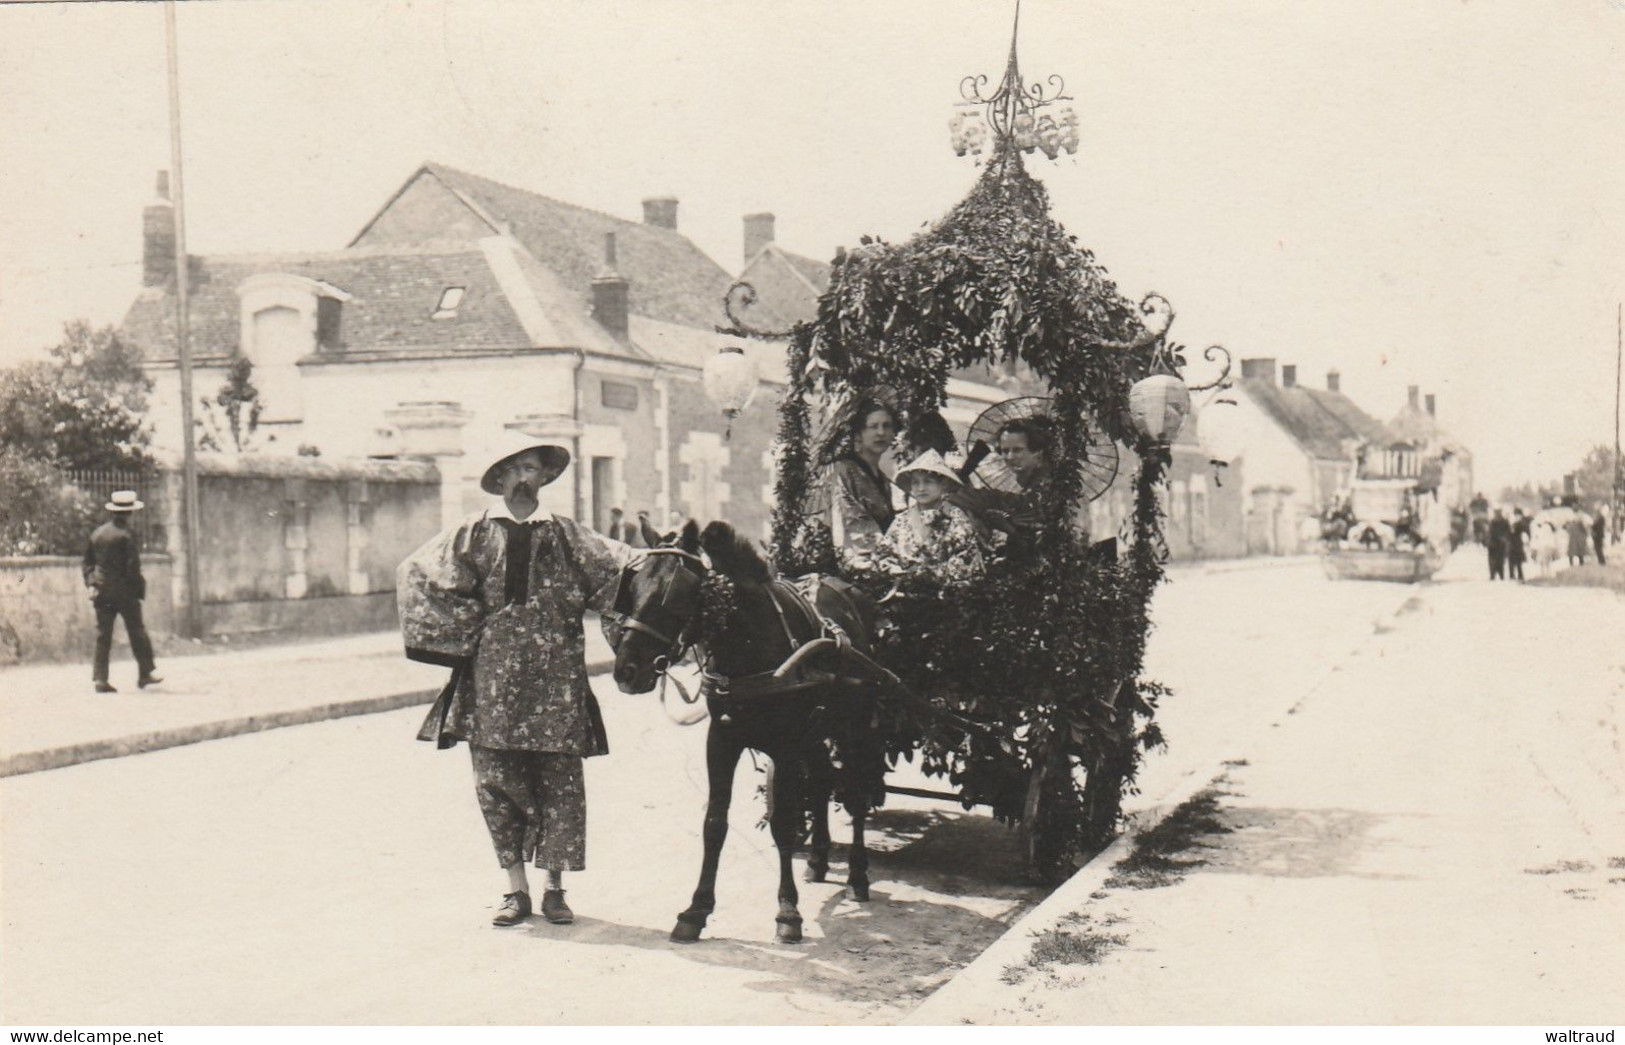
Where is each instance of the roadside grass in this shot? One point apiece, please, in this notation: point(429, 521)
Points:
point(1611, 576)
point(1561, 867)
point(1161, 857)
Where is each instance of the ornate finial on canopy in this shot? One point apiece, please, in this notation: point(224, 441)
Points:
point(1011, 111)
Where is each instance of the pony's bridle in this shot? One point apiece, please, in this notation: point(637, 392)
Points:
point(674, 645)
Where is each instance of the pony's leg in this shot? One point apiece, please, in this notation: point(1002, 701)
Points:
point(819, 789)
point(789, 800)
point(721, 756)
point(857, 867)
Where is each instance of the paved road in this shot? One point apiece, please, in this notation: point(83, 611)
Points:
point(339, 872)
point(1435, 836)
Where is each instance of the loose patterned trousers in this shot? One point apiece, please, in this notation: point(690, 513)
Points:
point(535, 806)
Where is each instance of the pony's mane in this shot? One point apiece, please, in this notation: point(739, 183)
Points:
point(733, 555)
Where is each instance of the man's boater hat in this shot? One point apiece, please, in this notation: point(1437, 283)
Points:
point(555, 459)
point(124, 501)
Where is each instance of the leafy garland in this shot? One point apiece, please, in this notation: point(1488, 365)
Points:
point(998, 280)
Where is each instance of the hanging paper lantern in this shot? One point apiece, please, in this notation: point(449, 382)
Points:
point(1158, 406)
point(730, 382)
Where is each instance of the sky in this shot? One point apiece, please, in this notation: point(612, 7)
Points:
point(1426, 192)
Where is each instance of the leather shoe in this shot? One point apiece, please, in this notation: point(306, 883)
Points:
point(148, 680)
point(515, 909)
point(105, 687)
point(554, 909)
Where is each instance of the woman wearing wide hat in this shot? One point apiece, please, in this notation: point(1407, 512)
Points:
point(112, 571)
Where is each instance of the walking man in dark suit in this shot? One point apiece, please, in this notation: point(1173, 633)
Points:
point(113, 572)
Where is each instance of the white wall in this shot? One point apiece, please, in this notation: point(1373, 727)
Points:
point(1270, 457)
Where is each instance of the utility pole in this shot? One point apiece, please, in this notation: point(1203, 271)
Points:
point(1619, 368)
point(192, 621)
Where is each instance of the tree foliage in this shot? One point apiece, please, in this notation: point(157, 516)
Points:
point(41, 512)
point(231, 420)
point(1594, 479)
point(82, 407)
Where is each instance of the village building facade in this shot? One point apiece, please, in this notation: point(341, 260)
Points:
point(466, 308)
point(1298, 446)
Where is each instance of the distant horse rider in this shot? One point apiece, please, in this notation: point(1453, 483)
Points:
point(112, 570)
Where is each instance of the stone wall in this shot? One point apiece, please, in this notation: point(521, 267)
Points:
point(288, 544)
point(302, 544)
point(45, 611)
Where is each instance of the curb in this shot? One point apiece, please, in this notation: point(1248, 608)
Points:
point(180, 736)
point(981, 977)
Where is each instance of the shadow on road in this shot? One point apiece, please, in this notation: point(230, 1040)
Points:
point(946, 884)
point(1296, 843)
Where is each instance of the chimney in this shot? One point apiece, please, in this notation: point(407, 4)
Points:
point(1263, 369)
point(158, 237)
point(1430, 402)
point(1334, 381)
point(609, 293)
point(660, 211)
point(758, 234)
point(1289, 375)
point(1414, 394)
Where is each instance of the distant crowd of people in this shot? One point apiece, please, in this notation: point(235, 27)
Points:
point(1562, 530)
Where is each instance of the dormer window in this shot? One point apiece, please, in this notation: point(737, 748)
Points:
point(450, 298)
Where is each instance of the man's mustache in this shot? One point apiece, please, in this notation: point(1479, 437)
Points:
point(524, 488)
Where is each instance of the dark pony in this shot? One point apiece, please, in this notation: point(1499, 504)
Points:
point(772, 682)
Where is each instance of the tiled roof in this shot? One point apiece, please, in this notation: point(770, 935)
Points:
point(787, 288)
point(1326, 424)
point(393, 294)
point(1419, 428)
point(671, 279)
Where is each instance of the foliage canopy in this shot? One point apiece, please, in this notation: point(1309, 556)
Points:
point(999, 281)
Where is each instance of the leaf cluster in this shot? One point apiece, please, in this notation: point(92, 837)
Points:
point(84, 406)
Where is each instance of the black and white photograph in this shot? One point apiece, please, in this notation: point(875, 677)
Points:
point(520, 514)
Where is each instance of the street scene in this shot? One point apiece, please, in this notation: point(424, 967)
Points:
point(487, 544)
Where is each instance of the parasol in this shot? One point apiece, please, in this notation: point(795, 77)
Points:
point(1098, 465)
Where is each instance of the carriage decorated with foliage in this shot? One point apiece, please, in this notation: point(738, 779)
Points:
point(1024, 690)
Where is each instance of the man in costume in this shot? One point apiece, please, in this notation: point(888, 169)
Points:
point(112, 570)
point(499, 598)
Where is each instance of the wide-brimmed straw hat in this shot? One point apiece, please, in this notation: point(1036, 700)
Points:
point(928, 463)
point(124, 501)
point(555, 459)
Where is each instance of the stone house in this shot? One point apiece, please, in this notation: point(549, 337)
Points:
point(1299, 445)
point(464, 308)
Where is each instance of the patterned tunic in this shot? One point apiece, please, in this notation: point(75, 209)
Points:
point(942, 542)
point(501, 602)
point(854, 501)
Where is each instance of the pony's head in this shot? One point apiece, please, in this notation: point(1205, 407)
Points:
point(656, 607)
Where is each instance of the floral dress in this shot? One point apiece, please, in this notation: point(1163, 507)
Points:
point(942, 542)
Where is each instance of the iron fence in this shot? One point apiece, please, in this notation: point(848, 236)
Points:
point(147, 524)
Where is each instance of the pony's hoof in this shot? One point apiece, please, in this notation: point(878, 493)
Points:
point(685, 932)
point(788, 932)
point(859, 891)
point(814, 873)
